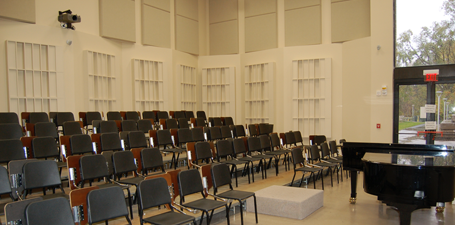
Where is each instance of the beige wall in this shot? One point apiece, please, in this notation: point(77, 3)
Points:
point(358, 68)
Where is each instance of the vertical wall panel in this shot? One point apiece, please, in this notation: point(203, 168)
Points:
point(117, 19)
point(186, 35)
point(303, 26)
point(21, 10)
point(261, 32)
point(156, 27)
point(350, 20)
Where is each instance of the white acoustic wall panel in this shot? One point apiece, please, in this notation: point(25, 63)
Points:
point(35, 77)
point(303, 26)
point(261, 32)
point(350, 20)
point(20, 10)
point(117, 19)
point(218, 91)
point(224, 38)
point(187, 8)
point(188, 84)
point(156, 26)
point(312, 96)
point(260, 7)
point(148, 85)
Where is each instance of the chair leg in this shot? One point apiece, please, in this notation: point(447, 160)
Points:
point(128, 219)
point(322, 179)
point(227, 214)
point(301, 180)
point(314, 180)
point(255, 208)
point(292, 182)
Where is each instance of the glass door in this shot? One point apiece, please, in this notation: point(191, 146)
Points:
point(445, 115)
point(412, 114)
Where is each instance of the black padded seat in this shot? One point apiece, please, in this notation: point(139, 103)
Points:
point(11, 149)
point(9, 117)
point(55, 211)
point(36, 117)
point(71, 128)
point(81, 144)
point(114, 115)
point(10, 131)
point(105, 204)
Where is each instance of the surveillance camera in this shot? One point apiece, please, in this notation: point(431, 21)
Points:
point(69, 18)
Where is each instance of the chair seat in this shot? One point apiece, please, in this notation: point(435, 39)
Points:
point(325, 164)
point(234, 194)
point(334, 160)
point(133, 181)
point(262, 156)
point(205, 204)
point(308, 169)
point(235, 162)
point(174, 150)
point(169, 218)
point(275, 153)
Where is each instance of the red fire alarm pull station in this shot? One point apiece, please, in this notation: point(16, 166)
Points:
point(378, 125)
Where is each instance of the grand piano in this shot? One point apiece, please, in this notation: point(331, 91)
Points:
point(407, 177)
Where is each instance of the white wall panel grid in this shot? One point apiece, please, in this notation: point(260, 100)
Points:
point(311, 96)
point(259, 93)
point(148, 85)
point(35, 77)
point(188, 84)
point(100, 69)
point(218, 91)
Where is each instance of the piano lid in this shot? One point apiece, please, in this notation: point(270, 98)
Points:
point(406, 149)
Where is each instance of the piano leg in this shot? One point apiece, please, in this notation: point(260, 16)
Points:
point(440, 206)
point(405, 212)
point(353, 198)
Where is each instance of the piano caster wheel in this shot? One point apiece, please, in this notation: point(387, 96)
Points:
point(440, 209)
point(352, 200)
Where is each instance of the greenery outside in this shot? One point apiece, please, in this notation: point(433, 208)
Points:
point(404, 125)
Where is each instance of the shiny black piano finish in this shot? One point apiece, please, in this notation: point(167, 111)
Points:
point(405, 187)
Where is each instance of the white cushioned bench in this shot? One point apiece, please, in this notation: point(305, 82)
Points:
point(284, 201)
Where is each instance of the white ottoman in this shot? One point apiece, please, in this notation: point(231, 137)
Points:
point(284, 201)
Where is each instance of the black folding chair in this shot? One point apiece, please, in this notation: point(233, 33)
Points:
point(105, 204)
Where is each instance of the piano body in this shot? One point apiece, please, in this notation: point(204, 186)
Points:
point(409, 177)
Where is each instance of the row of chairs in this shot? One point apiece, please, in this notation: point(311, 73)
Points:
point(106, 201)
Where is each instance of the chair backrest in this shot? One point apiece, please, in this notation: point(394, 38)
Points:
point(50, 211)
point(342, 141)
point(314, 150)
point(36, 117)
point(129, 125)
point(11, 149)
point(151, 158)
point(252, 130)
point(171, 124)
point(200, 122)
point(297, 156)
point(197, 134)
point(110, 142)
point(10, 131)
point(221, 176)
point(190, 182)
point(263, 128)
point(298, 137)
point(90, 116)
point(216, 121)
point(149, 115)
point(132, 115)
point(9, 117)
point(201, 114)
point(153, 192)
point(137, 139)
point(275, 141)
point(40, 174)
point(239, 131)
point(228, 121)
point(162, 115)
point(63, 117)
point(108, 156)
point(81, 144)
point(114, 115)
point(5, 187)
point(107, 127)
point(106, 203)
point(254, 144)
point(179, 114)
point(203, 151)
point(184, 135)
point(225, 132)
point(224, 148)
point(164, 138)
point(15, 211)
point(215, 133)
point(239, 146)
point(183, 123)
point(189, 114)
point(123, 162)
point(318, 139)
point(71, 128)
point(43, 129)
point(93, 166)
point(144, 125)
point(325, 151)
point(290, 138)
point(44, 147)
point(265, 143)
point(333, 147)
